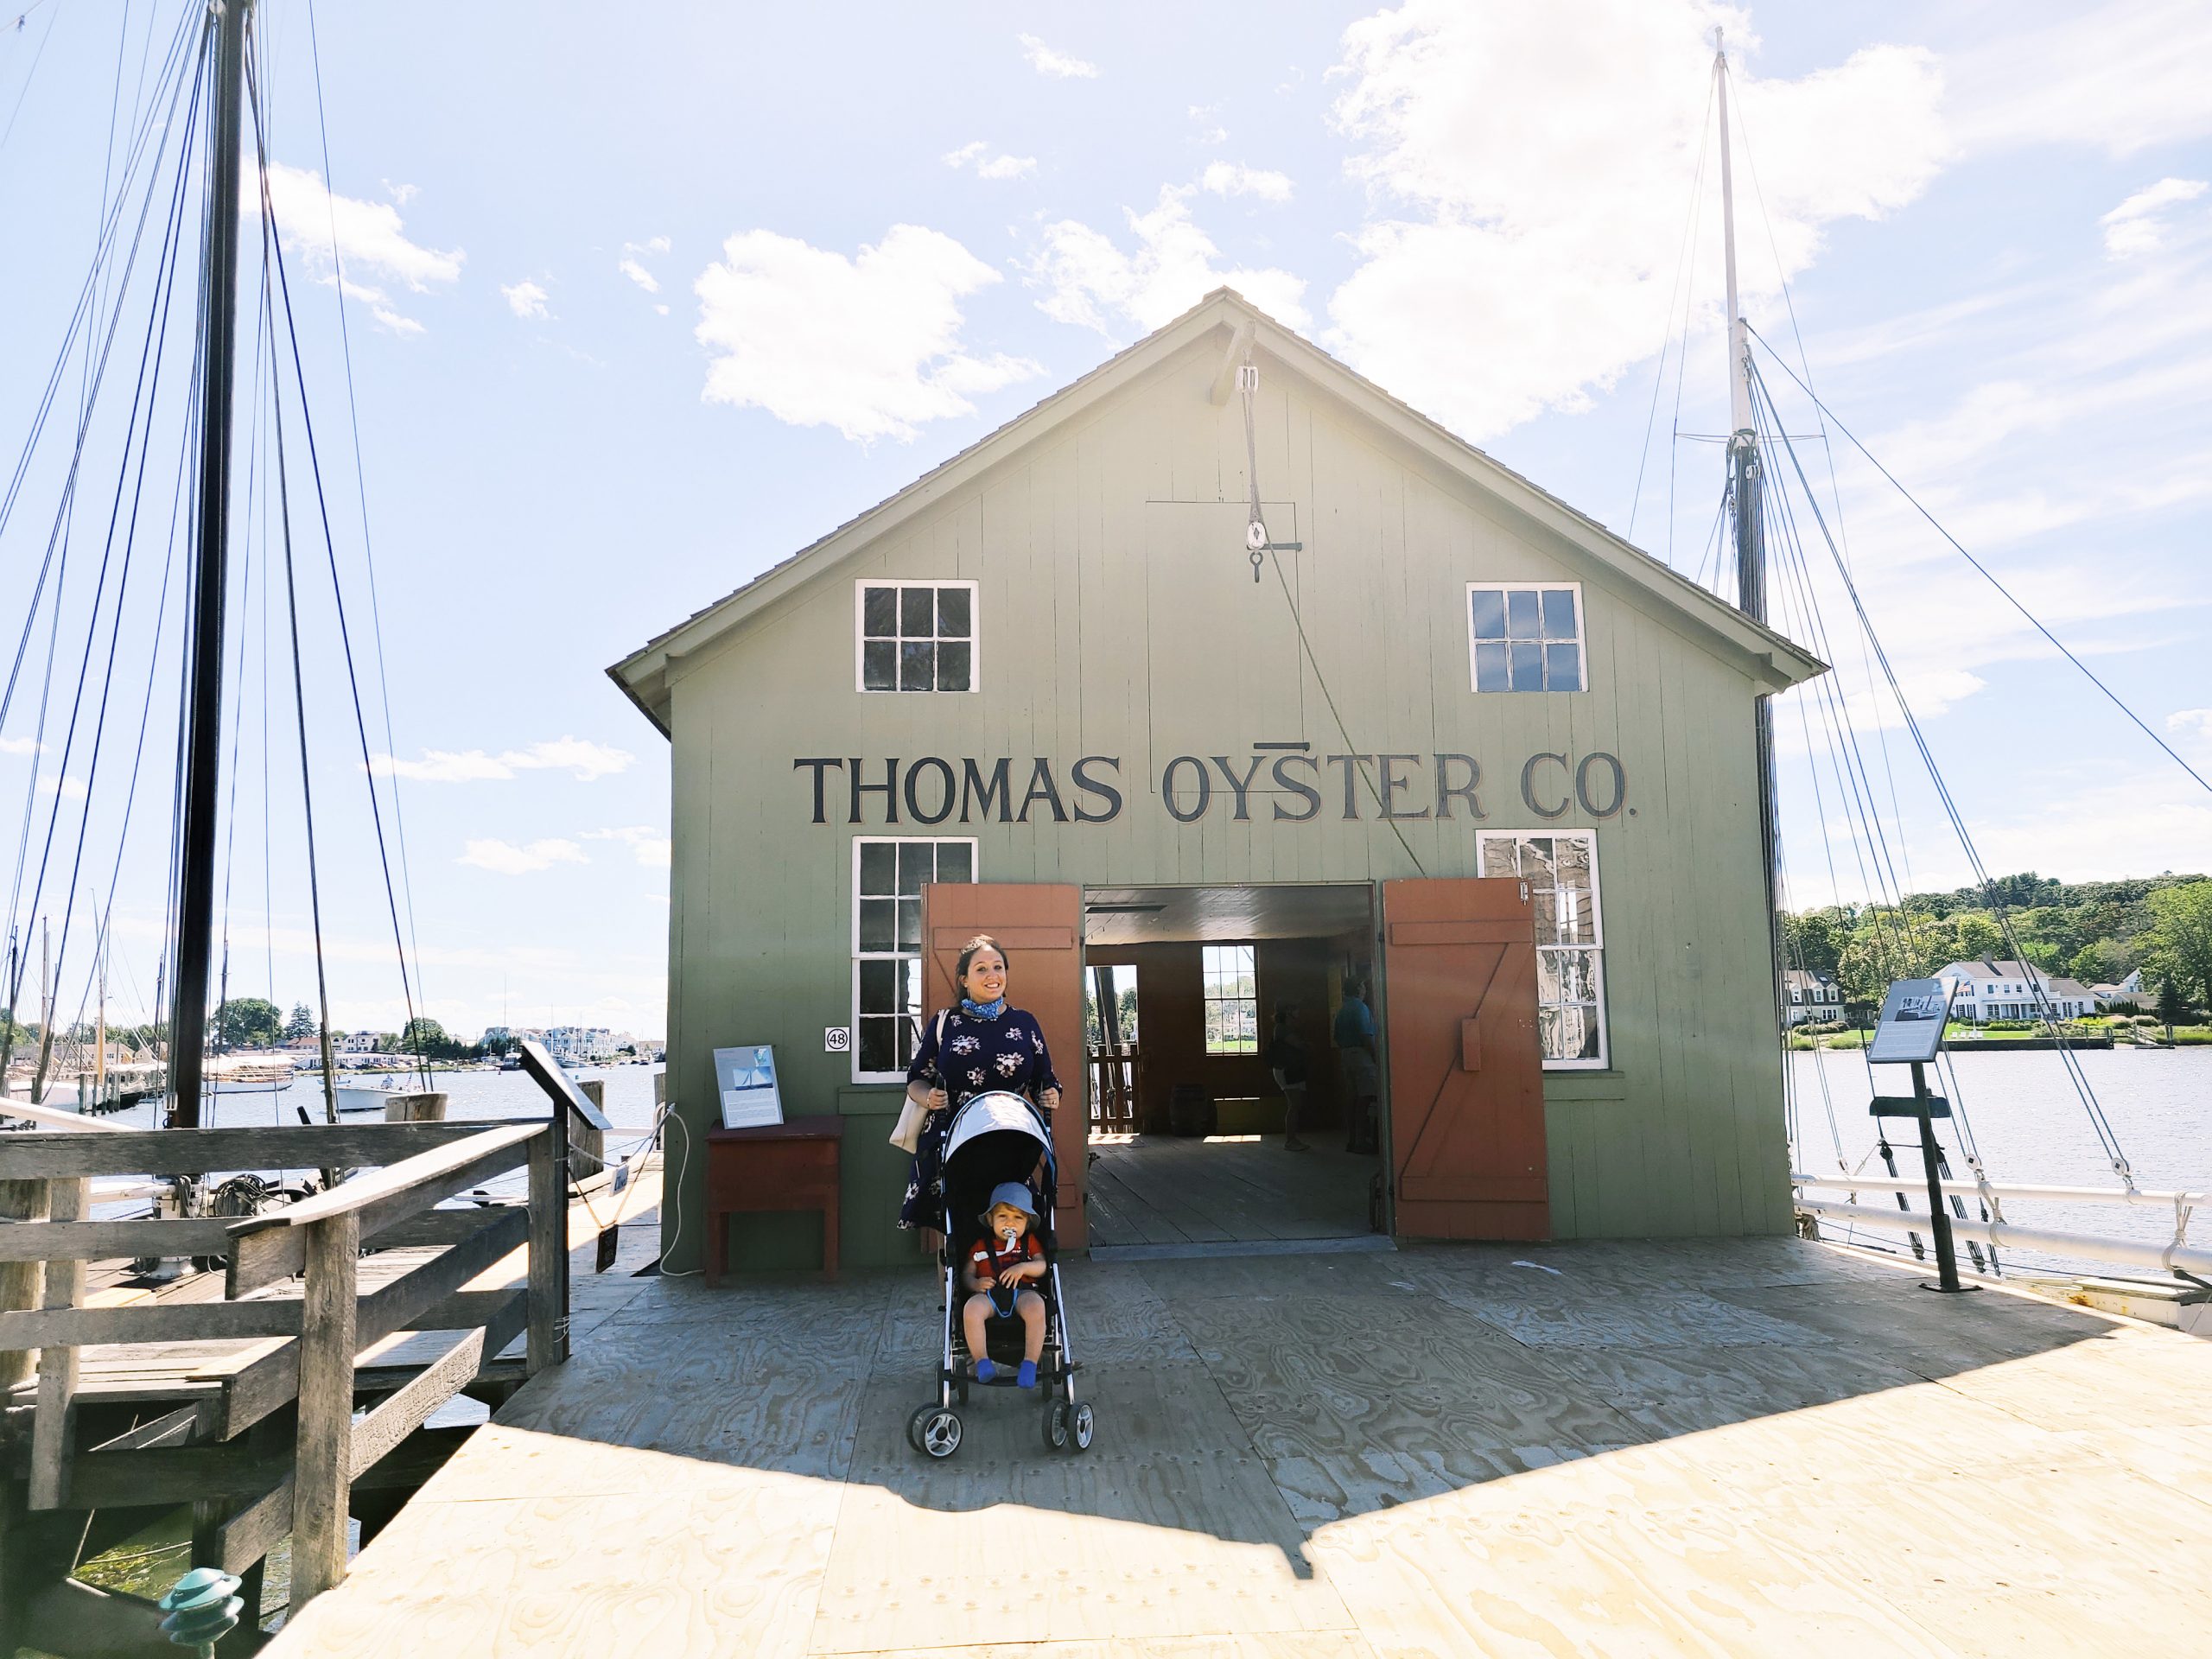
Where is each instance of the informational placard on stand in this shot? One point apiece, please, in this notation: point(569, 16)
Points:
point(745, 1078)
point(1911, 1027)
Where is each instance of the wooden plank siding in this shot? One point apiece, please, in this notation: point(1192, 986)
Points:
point(1117, 616)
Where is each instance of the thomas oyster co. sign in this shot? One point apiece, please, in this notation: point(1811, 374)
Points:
point(1279, 782)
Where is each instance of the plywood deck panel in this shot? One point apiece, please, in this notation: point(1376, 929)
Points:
point(1746, 1446)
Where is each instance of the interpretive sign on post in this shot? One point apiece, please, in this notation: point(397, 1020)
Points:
point(1911, 1033)
point(1911, 1027)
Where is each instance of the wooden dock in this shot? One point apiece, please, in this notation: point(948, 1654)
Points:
point(1748, 1447)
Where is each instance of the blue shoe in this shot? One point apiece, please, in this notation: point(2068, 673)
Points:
point(1026, 1376)
point(985, 1371)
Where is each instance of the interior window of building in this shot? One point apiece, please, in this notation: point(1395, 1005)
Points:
point(1232, 996)
point(917, 635)
point(1525, 638)
point(1561, 871)
point(888, 876)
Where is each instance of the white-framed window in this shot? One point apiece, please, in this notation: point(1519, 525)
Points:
point(888, 875)
point(1232, 999)
point(914, 636)
point(1525, 636)
point(1560, 868)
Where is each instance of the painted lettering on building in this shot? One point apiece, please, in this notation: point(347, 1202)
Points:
point(1279, 783)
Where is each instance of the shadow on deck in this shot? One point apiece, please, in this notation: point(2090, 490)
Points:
point(1743, 1447)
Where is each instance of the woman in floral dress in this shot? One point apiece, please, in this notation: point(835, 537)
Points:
point(979, 1044)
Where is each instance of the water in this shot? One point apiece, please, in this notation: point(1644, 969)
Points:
point(629, 1106)
point(2031, 1128)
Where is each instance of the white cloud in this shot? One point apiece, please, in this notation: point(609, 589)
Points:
point(1094, 283)
point(1059, 65)
point(869, 344)
point(527, 300)
point(586, 761)
point(1235, 179)
point(2195, 724)
point(365, 241)
point(1211, 131)
point(401, 193)
point(506, 858)
point(1531, 168)
point(2121, 77)
point(629, 265)
point(652, 848)
point(991, 167)
point(21, 745)
point(70, 789)
point(2138, 225)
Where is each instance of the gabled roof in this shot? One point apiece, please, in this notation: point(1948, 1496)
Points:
point(1761, 652)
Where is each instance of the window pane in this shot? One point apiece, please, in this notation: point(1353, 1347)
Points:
point(1551, 982)
point(910, 984)
point(1536, 859)
point(1559, 614)
point(1574, 853)
point(1522, 621)
point(917, 864)
point(1490, 667)
point(952, 667)
point(910, 924)
point(878, 865)
point(880, 666)
point(879, 986)
point(1547, 902)
point(952, 605)
point(1548, 1034)
point(905, 1030)
point(1576, 923)
point(876, 922)
point(918, 667)
point(880, 1045)
point(917, 612)
point(1581, 975)
point(1501, 858)
point(955, 862)
point(879, 612)
point(1489, 613)
point(1527, 667)
point(1583, 1042)
point(1563, 668)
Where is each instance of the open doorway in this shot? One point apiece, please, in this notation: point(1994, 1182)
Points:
point(1190, 1131)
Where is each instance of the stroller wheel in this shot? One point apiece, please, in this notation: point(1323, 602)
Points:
point(921, 1414)
point(1056, 1428)
point(936, 1430)
point(1082, 1425)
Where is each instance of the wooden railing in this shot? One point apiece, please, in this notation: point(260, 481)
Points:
point(1115, 1071)
point(195, 1453)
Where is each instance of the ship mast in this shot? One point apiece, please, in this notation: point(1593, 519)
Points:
point(1744, 486)
point(195, 875)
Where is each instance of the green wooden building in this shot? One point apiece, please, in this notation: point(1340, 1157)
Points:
point(1056, 667)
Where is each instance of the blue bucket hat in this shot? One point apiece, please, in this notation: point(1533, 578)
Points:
point(1009, 1193)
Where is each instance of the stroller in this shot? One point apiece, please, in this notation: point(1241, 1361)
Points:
point(993, 1138)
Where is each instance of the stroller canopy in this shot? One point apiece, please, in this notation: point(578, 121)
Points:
point(995, 1113)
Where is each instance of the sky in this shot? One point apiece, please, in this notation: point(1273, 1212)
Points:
point(636, 304)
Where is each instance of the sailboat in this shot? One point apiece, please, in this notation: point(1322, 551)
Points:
point(220, 371)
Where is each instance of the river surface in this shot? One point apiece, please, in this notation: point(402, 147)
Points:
point(2031, 1126)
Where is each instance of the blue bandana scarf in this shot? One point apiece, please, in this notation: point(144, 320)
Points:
point(983, 1010)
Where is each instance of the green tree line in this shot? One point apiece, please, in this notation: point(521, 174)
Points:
point(2094, 931)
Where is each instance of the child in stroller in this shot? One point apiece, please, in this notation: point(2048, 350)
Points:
point(999, 1269)
point(998, 1156)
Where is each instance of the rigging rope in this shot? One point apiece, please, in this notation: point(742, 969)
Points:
point(2099, 1122)
point(1984, 571)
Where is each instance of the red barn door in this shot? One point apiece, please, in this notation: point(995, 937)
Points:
point(1040, 928)
point(1467, 1070)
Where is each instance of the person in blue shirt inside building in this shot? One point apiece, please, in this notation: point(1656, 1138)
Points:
point(1354, 1036)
